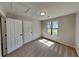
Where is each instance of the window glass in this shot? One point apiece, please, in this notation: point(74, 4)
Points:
point(52, 28)
point(49, 28)
point(54, 32)
point(55, 24)
point(49, 25)
point(49, 31)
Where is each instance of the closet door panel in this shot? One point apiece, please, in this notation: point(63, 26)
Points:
point(18, 33)
point(30, 32)
point(10, 35)
point(14, 37)
point(27, 31)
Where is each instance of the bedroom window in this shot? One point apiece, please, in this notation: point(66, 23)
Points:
point(52, 28)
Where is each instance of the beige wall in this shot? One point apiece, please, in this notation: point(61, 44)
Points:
point(77, 34)
point(66, 31)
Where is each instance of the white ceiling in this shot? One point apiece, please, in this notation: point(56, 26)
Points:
point(33, 9)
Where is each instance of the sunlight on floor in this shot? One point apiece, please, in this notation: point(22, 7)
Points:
point(46, 42)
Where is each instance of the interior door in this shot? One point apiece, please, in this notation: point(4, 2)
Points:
point(14, 34)
point(28, 31)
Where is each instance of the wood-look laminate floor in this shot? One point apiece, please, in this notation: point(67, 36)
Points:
point(38, 49)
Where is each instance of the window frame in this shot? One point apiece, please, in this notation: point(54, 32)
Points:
point(52, 28)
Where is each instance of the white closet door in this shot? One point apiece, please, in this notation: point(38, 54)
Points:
point(10, 35)
point(14, 39)
point(28, 33)
point(18, 33)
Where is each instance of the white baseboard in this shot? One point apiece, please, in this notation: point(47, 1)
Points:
point(66, 44)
